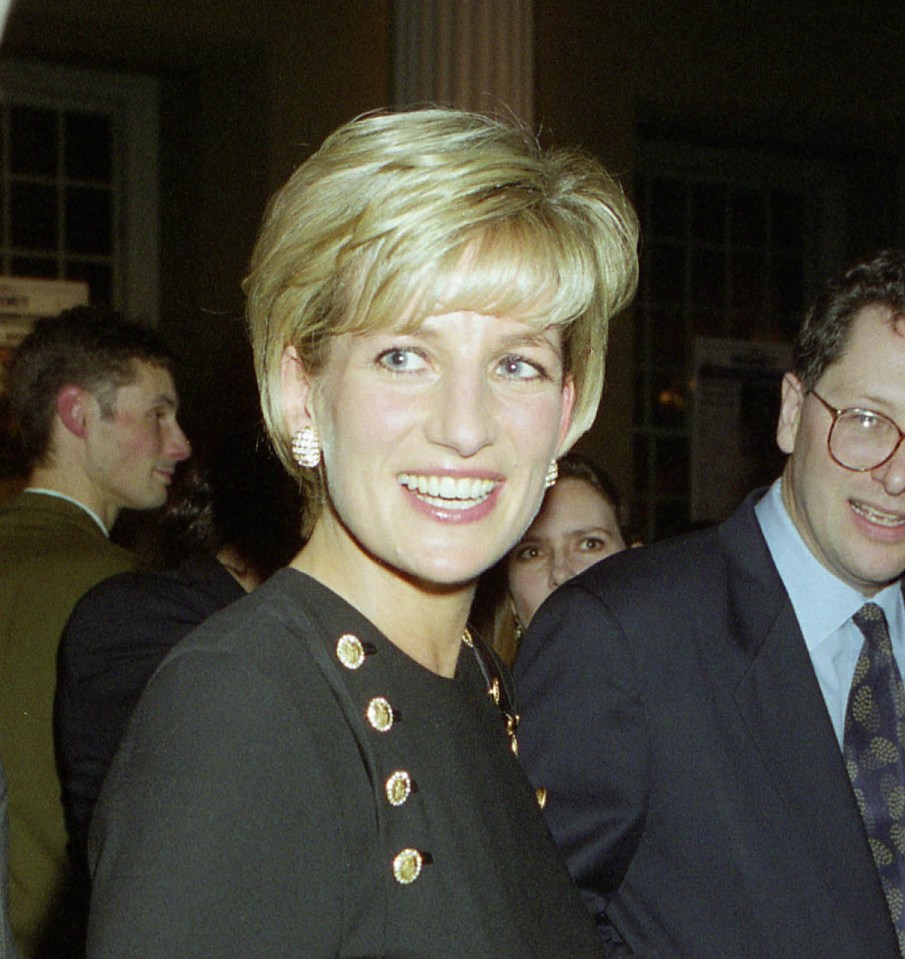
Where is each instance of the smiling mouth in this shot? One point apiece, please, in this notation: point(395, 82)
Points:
point(448, 492)
point(878, 517)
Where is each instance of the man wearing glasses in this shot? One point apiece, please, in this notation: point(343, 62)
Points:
point(718, 720)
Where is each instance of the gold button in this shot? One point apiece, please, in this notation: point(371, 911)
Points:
point(350, 651)
point(380, 714)
point(541, 793)
point(494, 691)
point(407, 866)
point(399, 787)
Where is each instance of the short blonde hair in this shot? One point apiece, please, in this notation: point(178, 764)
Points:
point(401, 215)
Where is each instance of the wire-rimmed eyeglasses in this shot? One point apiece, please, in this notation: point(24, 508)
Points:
point(860, 440)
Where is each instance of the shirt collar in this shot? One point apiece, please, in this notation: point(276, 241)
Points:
point(822, 602)
point(69, 499)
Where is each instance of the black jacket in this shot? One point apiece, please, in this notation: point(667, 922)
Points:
point(694, 780)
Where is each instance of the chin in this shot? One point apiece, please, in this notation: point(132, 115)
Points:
point(444, 578)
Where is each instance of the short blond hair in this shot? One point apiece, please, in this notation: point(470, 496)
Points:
point(401, 215)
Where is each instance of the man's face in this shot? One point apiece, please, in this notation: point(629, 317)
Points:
point(133, 451)
point(854, 523)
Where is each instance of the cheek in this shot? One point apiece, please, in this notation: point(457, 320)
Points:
point(525, 583)
point(584, 560)
point(534, 425)
point(356, 426)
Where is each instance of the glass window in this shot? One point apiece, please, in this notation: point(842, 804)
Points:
point(78, 181)
point(732, 238)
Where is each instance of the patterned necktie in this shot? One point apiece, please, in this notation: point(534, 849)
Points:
point(874, 757)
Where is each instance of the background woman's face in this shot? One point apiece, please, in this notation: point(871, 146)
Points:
point(575, 528)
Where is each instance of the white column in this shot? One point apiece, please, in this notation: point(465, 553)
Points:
point(473, 54)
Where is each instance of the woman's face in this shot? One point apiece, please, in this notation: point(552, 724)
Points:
point(435, 442)
point(575, 528)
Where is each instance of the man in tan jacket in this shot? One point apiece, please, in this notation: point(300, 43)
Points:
point(95, 405)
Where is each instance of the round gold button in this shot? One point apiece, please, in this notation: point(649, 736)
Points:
point(399, 787)
point(380, 714)
point(407, 866)
point(350, 651)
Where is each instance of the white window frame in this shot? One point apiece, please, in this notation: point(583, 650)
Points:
point(132, 102)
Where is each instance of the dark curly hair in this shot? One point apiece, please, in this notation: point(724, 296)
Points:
point(878, 280)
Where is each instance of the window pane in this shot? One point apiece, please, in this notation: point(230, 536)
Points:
point(88, 147)
point(669, 398)
point(749, 217)
point(97, 275)
point(708, 278)
point(41, 267)
point(667, 331)
point(667, 208)
point(708, 212)
point(672, 465)
point(665, 273)
point(787, 292)
point(34, 141)
point(33, 216)
point(787, 212)
point(89, 220)
point(749, 280)
point(640, 452)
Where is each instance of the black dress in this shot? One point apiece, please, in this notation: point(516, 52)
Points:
point(279, 794)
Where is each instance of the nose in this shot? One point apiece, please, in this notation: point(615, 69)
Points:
point(891, 475)
point(462, 416)
point(178, 447)
point(561, 569)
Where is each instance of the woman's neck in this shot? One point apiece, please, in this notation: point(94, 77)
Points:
point(425, 621)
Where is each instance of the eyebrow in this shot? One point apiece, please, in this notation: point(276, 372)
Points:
point(589, 530)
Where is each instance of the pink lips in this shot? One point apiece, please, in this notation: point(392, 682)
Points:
point(454, 516)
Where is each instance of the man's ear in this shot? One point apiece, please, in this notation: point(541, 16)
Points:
point(295, 391)
point(72, 407)
point(793, 394)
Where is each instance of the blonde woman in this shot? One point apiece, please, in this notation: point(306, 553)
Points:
point(320, 771)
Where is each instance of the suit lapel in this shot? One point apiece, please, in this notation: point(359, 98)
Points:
point(781, 704)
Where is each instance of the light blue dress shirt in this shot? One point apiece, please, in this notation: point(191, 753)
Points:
point(824, 607)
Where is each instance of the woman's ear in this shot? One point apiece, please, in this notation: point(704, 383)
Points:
point(295, 391)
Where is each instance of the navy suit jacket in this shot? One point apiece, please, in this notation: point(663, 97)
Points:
point(695, 784)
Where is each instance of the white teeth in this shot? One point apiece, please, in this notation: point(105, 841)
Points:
point(448, 491)
point(875, 516)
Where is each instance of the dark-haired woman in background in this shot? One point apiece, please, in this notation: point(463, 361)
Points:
point(582, 520)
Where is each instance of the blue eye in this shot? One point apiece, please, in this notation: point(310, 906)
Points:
point(401, 361)
point(518, 368)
